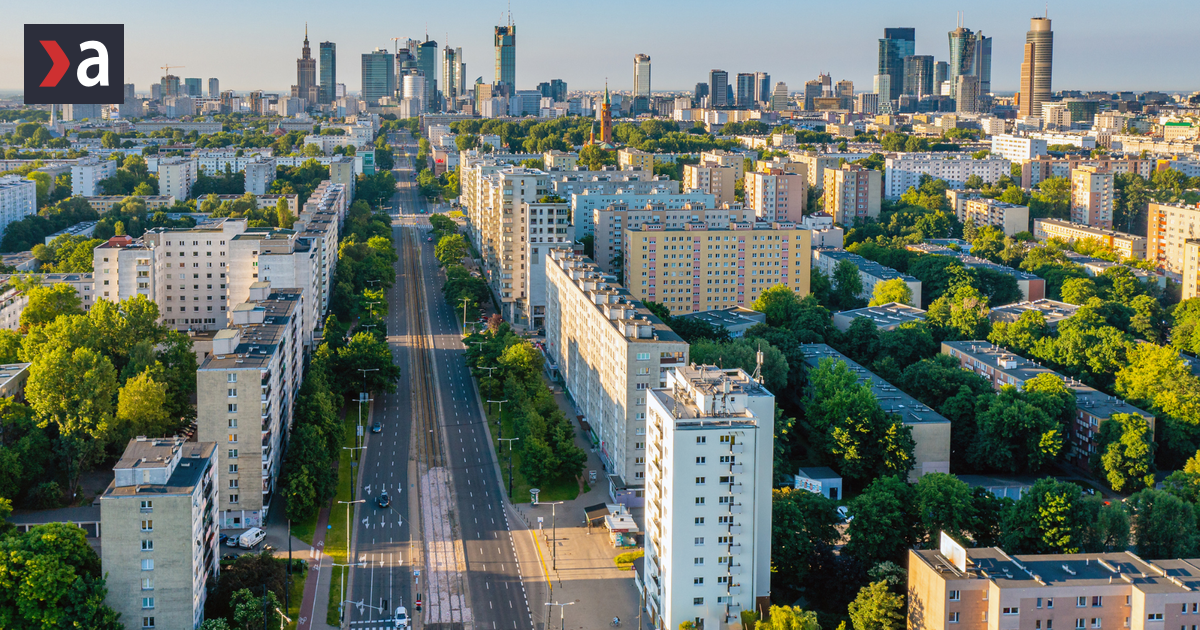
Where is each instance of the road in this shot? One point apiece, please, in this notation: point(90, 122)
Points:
point(462, 546)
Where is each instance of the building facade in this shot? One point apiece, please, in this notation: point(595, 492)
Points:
point(851, 192)
point(1126, 245)
point(87, 173)
point(1008, 217)
point(777, 194)
point(1037, 68)
point(669, 210)
point(18, 199)
point(176, 176)
point(904, 170)
point(1092, 197)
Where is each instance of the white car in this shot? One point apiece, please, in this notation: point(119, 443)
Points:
point(401, 618)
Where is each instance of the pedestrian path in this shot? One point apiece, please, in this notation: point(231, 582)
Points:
point(316, 590)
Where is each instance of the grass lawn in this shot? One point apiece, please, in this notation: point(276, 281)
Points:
point(296, 593)
point(335, 536)
point(304, 529)
point(563, 489)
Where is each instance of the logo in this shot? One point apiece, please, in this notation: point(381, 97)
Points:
point(80, 64)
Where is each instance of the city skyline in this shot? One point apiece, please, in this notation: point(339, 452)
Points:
point(1094, 52)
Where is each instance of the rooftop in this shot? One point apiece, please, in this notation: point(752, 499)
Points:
point(703, 396)
point(885, 315)
point(891, 399)
point(1091, 229)
point(1079, 569)
point(159, 453)
point(727, 317)
point(869, 267)
point(258, 341)
point(1053, 311)
point(613, 300)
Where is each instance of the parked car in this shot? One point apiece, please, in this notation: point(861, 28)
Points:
point(231, 541)
point(384, 500)
point(223, 539)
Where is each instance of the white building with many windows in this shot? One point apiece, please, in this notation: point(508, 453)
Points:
point(708, 497)
point(904, 170)
point(18, 199)
point(176, 177)
point(87, 173)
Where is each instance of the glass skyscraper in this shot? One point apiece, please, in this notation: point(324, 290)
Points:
point(918, 75)
point(897, 43)
point(506, 57)
point(378, 75)
point(970, 55)
point(328, 71)
point(192, 87)
point(718, 88)
point(427, 61)
point(745, 89)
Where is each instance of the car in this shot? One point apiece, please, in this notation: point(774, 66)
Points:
point(429, 240)
point(231, 541)
point(376, 428)
point(384, 500)
point(400, 620)
point(223, 539)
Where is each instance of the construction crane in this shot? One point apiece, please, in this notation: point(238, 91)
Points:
point(397, 40)
point(167, 68)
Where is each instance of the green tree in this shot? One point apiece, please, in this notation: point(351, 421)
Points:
point(251, 611)
point(1078, 290)
point(962, 314)
point(944, 503)
point(1164, 526)
point(877, 608)
point(847, 285)
point(1048, 518)
point(366, 351)
point(51, 578)
point(1013, 435)
point(779, 303)
point(788, 618)
point(743, 353)
point(47, 303)
point(894, 290)
point(141, 409)
point(1127, 452)
point(885, 522)
point(800, 520)
point(451, 249)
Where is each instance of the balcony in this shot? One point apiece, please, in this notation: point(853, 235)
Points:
point(734, 569)
point(736, 468)
point(735, 548)
point(735, 488)
point(735, 589)
point(735, 529)
point(737, 448)
point(735, 508)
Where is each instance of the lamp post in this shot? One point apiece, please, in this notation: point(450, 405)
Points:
point(365, 394)
point(500, 433)
point(466, 300)
point(343, 597)
point(554, 535)
point(371, 305)
point(562, 612)
point(510, 447)
point(362, 399)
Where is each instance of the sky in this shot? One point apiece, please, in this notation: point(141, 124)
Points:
point(250, 45)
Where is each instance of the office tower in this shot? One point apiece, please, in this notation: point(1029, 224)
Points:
point(970, 55)
point(214, 88)
point(506, 57)
point(967, 94)
point(702, 91)
point(170, 86)
point(454, 84)
point(641, 76)
point(378, 76)
point(897, 43)
point(191, 87)
point(762, 89)
point(1036, 67)
point(306, 73)
point(779, 98)
point(156, 91)
point(844, 89)
point(918, 75)
point(158, 516)
point(557, 90)
point(708, 491)
point(128, 93)
point(718, 86)
point(746, 92)
point(412, 90)
point(427, 61)
point(812, 91)
point(868, 103)
point(328, 53)
point(940, 71)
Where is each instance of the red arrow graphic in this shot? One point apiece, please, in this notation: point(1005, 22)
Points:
point(61, 63)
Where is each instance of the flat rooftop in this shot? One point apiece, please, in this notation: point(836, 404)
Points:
point(710, 380)
point(156, 453)
point(1053, 311)
point(1075, 570)
point(868, 267)
point(891, 399)
point(618, 295)
point(884, 315)
point(726, 317)
point(259, 341)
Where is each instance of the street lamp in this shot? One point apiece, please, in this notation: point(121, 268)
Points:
point(562, 608)
point(343, 597)
point(466, 300)
point(500, 433)
point(510, 447)
point(371, 305)
point(361, 431)
point(554, 535)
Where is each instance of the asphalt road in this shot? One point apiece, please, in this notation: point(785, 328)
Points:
point(496, 596)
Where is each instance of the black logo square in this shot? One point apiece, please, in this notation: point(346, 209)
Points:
point(80, 64)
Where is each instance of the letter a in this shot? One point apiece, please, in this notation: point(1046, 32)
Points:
point(100, 61)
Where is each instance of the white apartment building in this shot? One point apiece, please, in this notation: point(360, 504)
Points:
point(610, 351)
point(870, 272)
point(1073, 139)
point(260, 173)
point(824, 232)
point(777, 194)
point(612, 221)
point(1008, 217)
point(216, 161)
point(1092, 196)
point(904, 170)
point(708, 497)
point(176, 177)
point(245, 391)
point(13, 300)
point(1018, 148)
point(586, 202)
point(567, 184)
point(160, 537)
point(18, 199)
point(87, 173)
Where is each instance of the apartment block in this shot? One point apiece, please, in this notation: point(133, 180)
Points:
point(1001, 367)
point(871, 272)
point(1043, 167)
point(1018, 148)
point(984, 588)
point(1127, 245)
point(585, 204)
point(817, 164)
point(104, 203)
point(720, 157)
point(259, 175)
point(708, 490)
point(13, 300)
point(1168, 226)
point(714, 180)
point(633, 158)
point(699, 268)
point(1053, 312)
point(1092, 196)
point(610, 351)
point(1191, 269)
point(342, 171)
point(237, 159)
point(160, 538)
point(176, 176)
point(777, 195)
point(904, 170)
point(824, 232)
point(246, 391)
point(18, 199)
point(1008, 217)
point(852, 192)
point(886, 317)
point(611, 221)
point(87, 173)
point(930, 430)
point(555, 159)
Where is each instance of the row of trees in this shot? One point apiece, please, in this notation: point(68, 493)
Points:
point(461, 285)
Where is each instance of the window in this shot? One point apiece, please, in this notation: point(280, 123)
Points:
point(233, 483)
point(1098, 601)
point(147, 525)
point(1079, 624)
point(232, 407)
point(1096, 622)
point(1010, 610)
point(232, 392)
point(699, 520)
point(699, 481)
point(697, 581)
point(953, 617)
point(699, 500)
point(725, 500)
point(954, 596)
point(724, 579)
point(147, 622)
point(147, 602)
point(1039, 602)
point(697, 601)
point(701, 439)
point(233, 469)
point(233, 423)
point(147, 545)
point(643, 356)
point(1154, 617)
point(147, 505)
point(697, 562)
point(233, 498)
point(233, 378)
point(147, 584)
point(1080, 602)
point(1037, 624)
point(700, 460)
point(1049, 602)
point(233, 453)
point(699, 540)
point(148, 564)
point(724, 540)
point(725, 520)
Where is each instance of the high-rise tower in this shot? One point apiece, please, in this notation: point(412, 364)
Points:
point(641, 83)
point(718, 88)
point(306, 73)
point(897, 43)
point(378, 76)
point(427, 61)
point(506, 56)
point(918, 75)
point(453, 81)
point(970, 55)
point(328, 71)
point(1036, 67)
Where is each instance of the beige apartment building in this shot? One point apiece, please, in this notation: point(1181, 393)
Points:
point(1092, 196)
point(160, 537)
point(718, 181)
point(851, 192)
point(628, 159)
point(1007, 217)
point(1127, 245)
point(987, 589)
point(561, 160)
point(1042, 167)
point(777, 194)
point(1168, 227)
point(104, 203)
point(611, 221)
point(610, 351)
point(721, 157)
point(1191, 269)
point(245, 391)
point(697, 268)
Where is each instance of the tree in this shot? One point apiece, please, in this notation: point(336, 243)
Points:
point(1164, 526)
point(1157, 379)
point(142, 409)
point(800, 520)
point(1127, 452)
point(742, 353)
point(847, 285)
point(248, 573)
point(1048, 518)
point(451, 249)
point(885, 522)
point(877, 608)
point(943, 504)
point(894, 290)
point(789, 618)
point(46, 303)
point(1013, 435)
point(252, 611)
point(780, 304)
point(51, 578)
point(368, 352)
point(960, 315)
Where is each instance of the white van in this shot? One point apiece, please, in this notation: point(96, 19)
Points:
point(251, 537)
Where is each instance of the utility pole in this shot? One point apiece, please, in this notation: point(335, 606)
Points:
point(466, 300)
point(343, 598)
point(500, 433)
point(510, 447)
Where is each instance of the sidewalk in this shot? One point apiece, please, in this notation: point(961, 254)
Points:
point(316, 591)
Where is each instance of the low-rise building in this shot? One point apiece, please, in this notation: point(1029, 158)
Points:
point(930, 430)
point(886, 317)
point(820, 480)
point(852, 192)
point(1093, 408)
point(1032, 287)
point(735, 319)
point(824, 232)
point(12, 380)
point(1126, 245)
point(904, 170)
point(83, 228)
point(1052, 311)
point(708, 497)
point(1007, 217)
point(13, 300)
point(871, 272)
point(160, 537)
point(105, 203)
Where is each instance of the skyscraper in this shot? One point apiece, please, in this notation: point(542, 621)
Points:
point(214, 88)
point(170, 86)
point(453, 81)
point(701, 92)
point(378, 76)
point(427, 61)
point(779, 97)
point(718, 88)
point(918, 75)
point(745, 89)
point(306, 73)
point(970, 55)
point(328, 71)
point(641, 83)
point(762, 90)
point(192, 87)
point(941, 70)
point(812, 90)
point(897, 43)
point(506, 57)
point(1037, 66)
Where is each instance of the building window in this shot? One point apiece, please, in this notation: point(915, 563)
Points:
point(147, 505)
point(232, 407)
point(233, 378)
point(147, 545)
point(699, 540)
point(147, 622)
point(147, 602)
point(699, 520)
point(1079, 624)
point(699, 481)
point(233, 483)
point(1039, 602)
point(147, 525)
point(699, 500)
point(147, 584)
point(701, 439)
point(1080, 602)
point(1010, 610)
point(148, 564)
point(954, 595)
point(697, 581)
point(233, 453)
point(1154, 617)
point(1096, 622)
point(233, 498)
point(953, 617)
point(697, 601)
point(643, 356)
point(1098, 601)
point(1049, 602)
point(232, 392)
point(233, 469)
point(700, 460)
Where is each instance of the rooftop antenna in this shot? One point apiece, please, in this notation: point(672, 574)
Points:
point(758, 361)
